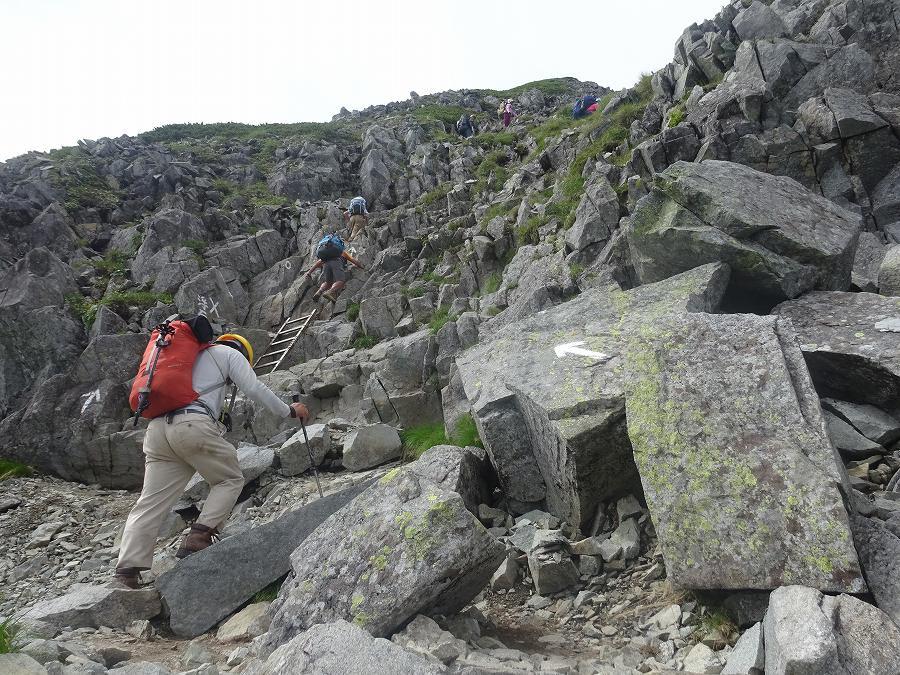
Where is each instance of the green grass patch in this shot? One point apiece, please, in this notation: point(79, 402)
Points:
point(439, 319)
point(353, 311)
point(575, 270)
point(364, 342)
point(113, 264)
point(501, 209)
point(11, 469)
point(197, 246)
point(330, 132)
point(76, 173)
point(717, 625)
point(495, 139)
point(492, 172)
point(438, 193)
point(11, 637)
point(466, 433)
point(437, 278)
point(419, 439)
point(269, 593)
point(118, 301)
point(446, 114)
point(492, 283)
point(529, 231)
point(553, 86)
point(676, 115)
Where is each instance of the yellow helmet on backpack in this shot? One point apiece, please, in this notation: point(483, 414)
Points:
point(238, 342)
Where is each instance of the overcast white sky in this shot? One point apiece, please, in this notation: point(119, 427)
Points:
point(89, 68)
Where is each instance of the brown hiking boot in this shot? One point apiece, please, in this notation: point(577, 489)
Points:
point(128, 577)
point(199, 538)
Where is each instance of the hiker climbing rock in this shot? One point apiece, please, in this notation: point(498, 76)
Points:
point(507, 112)
point(584, 106)
point(358, 215)
point(331, 256)
point(465, 126)
point(185, 436)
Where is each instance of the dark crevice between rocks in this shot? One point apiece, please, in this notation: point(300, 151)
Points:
point(741, 298)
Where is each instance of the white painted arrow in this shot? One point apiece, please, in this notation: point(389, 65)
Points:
point(576, 349)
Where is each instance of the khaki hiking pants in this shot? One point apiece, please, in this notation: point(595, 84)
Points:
point(173, 452)
point(357, 225)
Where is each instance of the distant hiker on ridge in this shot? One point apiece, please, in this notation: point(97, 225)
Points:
point(187, 438)
point(358, 215)
point(465, 126)
point(331, 256)
point(508, 113)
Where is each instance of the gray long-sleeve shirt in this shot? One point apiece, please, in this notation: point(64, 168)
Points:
point(219, 363)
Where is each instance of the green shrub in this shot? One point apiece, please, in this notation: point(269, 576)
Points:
point(466, 433)
point(436, 278)
point(575, 270)
point(418, 439)
point(528, 232)
point(198, 246)
point(118, 301)
point(10, 637)
point(353, 311)
point(676, 115)
point(499, 210)
point(75, 172)
point(364, 342)
point(11, 469)
point(440, 192)
point(114, 263)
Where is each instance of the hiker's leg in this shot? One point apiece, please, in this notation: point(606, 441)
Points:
point(198, 440)
point(165, 477)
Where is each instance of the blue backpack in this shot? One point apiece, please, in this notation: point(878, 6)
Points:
point(588, 101)
point(330, 247)
point(578, 109)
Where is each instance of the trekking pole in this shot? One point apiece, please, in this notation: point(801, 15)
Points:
point(312, 462)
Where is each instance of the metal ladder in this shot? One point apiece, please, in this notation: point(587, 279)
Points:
point(288, 334)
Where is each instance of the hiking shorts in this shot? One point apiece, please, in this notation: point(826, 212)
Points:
point(333, 270)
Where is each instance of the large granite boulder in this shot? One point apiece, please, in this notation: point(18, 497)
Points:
point(342, 647)
point(879, 553)
point(547, 392)
point(740, 477)
point(236, 568)
point(406, 546)
point(38, 336)
point(851, 342)
point(807, 632)
point(779, 238)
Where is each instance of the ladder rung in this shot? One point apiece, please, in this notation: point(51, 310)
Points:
point(278, 342)
point(302, 318)
point(266, 365)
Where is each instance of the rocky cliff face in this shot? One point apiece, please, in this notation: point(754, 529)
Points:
point(592, 294)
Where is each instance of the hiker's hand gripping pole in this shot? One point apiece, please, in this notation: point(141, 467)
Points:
point(312, 462)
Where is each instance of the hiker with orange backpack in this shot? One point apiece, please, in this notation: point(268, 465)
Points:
point(181, 386)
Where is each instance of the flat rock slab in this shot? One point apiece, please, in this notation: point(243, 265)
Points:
point(205, 587)
point(88, 606)
point(341, 647)
point(406, 546)
point(369, 446)
point(739, 474)
point(851, 342)
point(547, 392)
point(779, 238)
